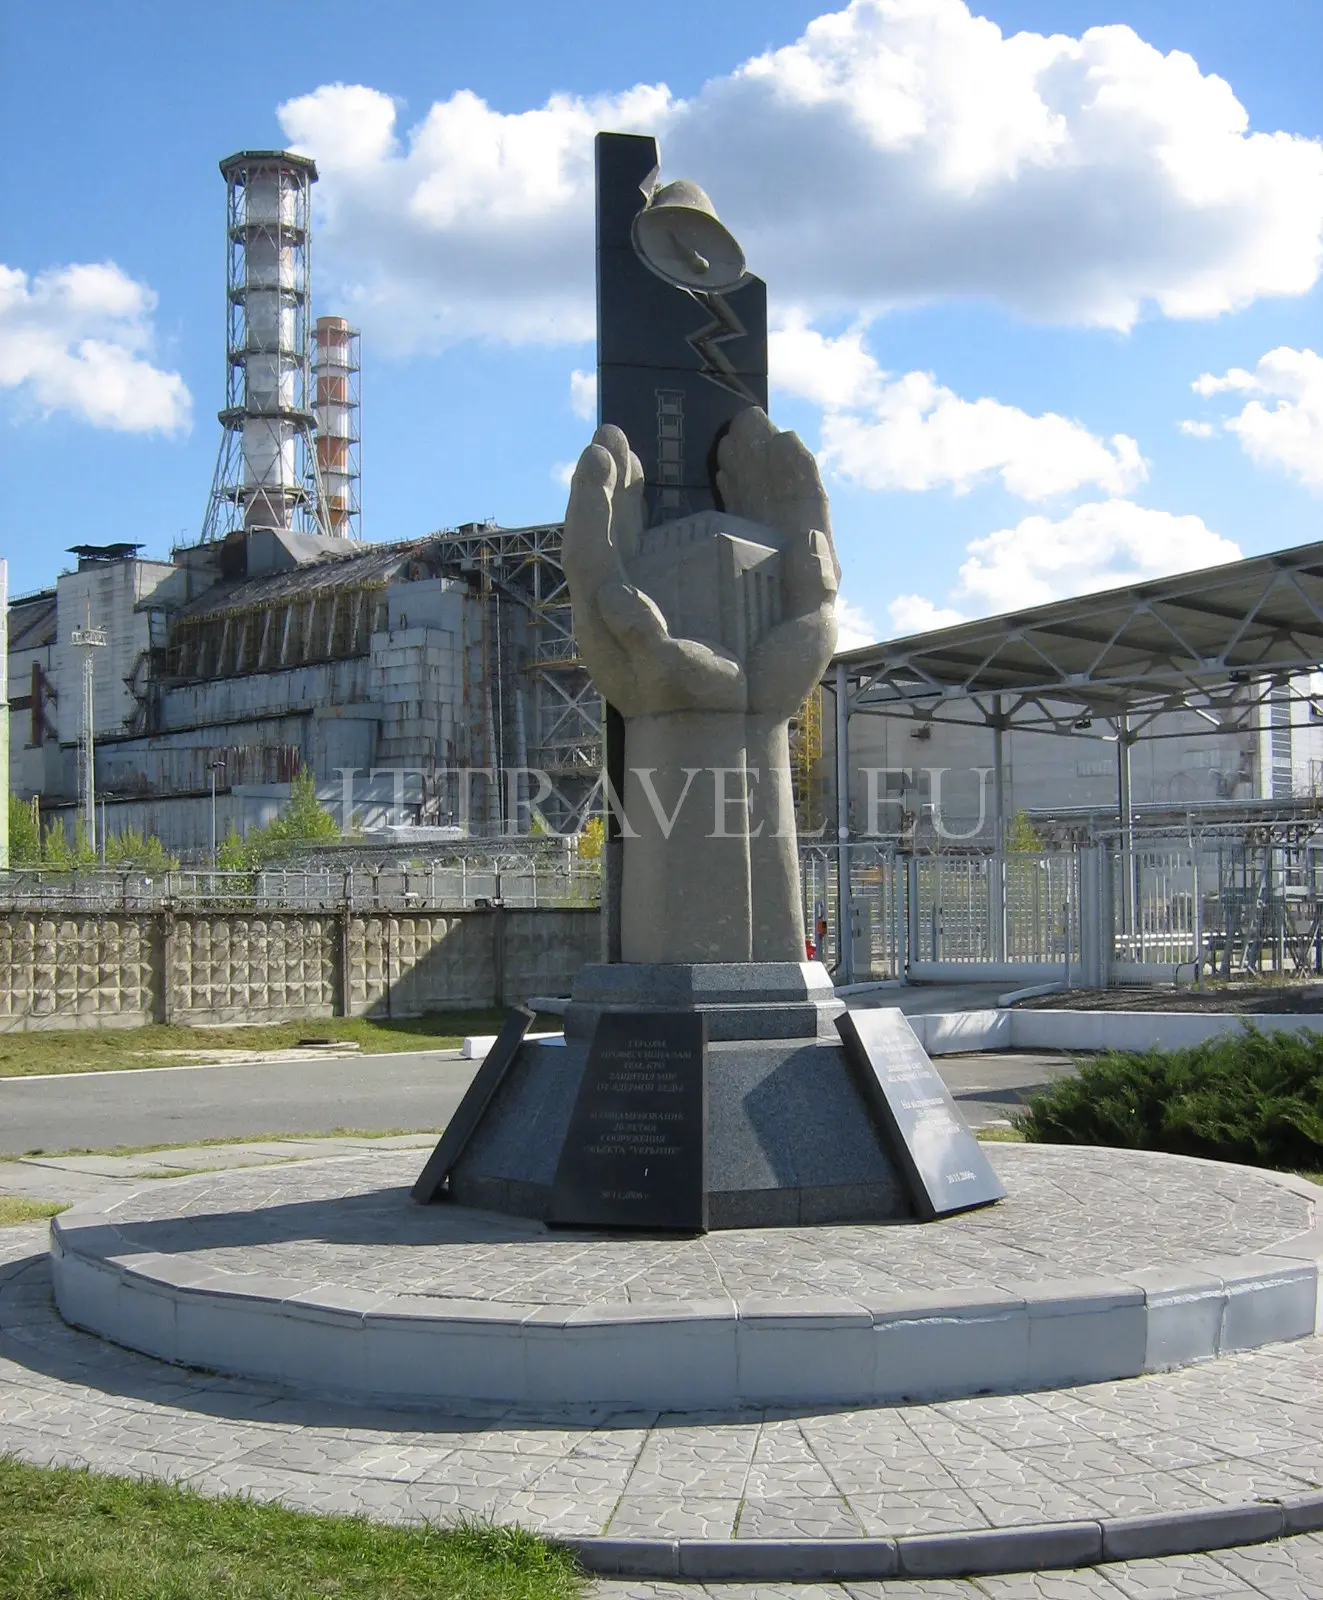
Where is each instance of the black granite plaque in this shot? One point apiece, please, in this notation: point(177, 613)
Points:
point(673, 368)
point(635, 1155)
point(460, 1129)
point(941, 1159)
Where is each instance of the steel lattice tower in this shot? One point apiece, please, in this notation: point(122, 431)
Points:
point(267, 472)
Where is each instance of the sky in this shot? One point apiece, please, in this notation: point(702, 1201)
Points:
point(1043, 275)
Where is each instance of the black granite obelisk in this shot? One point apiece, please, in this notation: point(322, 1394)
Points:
point(673, 370)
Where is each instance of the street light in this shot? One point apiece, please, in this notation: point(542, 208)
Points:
point(216, 766)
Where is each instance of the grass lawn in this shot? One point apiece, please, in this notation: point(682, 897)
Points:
point(107, 1049)
point(66, 1533)
point(16, 1208)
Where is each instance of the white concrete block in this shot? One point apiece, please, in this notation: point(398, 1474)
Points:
point(237, 1333)
point(87, 1294)
point(951, 1033)
point(1184, 1316)
point(932, 1344)
point(458, 1350)
point(1085, 1330)
point(632, 1354)
point(792, 1352)
point(1267, 1300)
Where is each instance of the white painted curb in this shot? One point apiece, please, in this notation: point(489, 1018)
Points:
point(683, 1354)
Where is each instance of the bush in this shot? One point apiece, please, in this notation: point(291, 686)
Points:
point(1247, 1096)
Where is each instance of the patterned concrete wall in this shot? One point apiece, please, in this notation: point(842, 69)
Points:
point(405, 966)
point(239, 969)
point(78, 971)
point(85, 971)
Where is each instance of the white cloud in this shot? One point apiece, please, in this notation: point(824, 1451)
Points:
point(583, 394)
point(77, 339)
point(899, 151)
point(914, 613)
point(854, 627)
point(479, 224)
point(1197, 430)
point(563, 472)
point(910, 432)
point(1102, 545)
point(1286, 431)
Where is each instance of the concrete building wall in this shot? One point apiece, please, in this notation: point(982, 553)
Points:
point(1189, 764)
point(223, 701)
point(121, 971)
point(33, 763)
point(115, 596)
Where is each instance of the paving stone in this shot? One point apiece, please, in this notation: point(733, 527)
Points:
point(1198, 1577)
point(1077, 1213)
point(1206, 1436)
point(799, 1517)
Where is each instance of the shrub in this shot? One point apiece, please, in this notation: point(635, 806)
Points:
point(1246, 1096)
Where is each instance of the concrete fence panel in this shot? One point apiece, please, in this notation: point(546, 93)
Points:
point(83, 970)
point(226, 968)
point(76, 971)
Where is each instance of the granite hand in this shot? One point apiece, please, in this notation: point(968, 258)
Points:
point(626, 644)
point(771, 478)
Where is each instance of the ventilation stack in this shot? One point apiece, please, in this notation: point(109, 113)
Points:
point(335, 373)
point(267, 471)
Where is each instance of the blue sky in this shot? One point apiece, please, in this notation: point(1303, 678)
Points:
point(996, 263)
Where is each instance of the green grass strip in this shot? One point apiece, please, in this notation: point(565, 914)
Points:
point(110, 1049)
point(66, 1533)
point(15, 1208)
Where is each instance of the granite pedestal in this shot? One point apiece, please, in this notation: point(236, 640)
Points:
point(791, 1139)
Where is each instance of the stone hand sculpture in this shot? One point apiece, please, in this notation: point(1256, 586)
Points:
point(706, 633)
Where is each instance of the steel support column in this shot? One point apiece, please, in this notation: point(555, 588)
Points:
point(844, 933)
point(1124, 740)
point(997, 877)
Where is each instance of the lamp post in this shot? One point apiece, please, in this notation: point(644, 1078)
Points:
point(216, 766)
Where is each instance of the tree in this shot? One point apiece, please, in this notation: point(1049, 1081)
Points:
point(302, 822)
point(56, 852)
point(132, 848)
point(1022, 837)
point(84, 852)
point(24, 833)
point(232, 853)
point(590, 842)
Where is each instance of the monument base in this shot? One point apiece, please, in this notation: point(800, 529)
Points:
point(790, 1137)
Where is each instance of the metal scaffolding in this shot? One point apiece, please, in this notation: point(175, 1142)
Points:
point(561, 729)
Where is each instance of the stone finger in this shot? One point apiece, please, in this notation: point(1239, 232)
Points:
point(612, 439)
point(589, 557)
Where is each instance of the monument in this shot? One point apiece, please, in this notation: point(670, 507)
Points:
point(701, 1081)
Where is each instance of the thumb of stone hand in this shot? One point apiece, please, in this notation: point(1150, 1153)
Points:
point(588, 554)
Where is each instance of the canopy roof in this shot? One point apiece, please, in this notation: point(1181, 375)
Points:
point(1217, 641)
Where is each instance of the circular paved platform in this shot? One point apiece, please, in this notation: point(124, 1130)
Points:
point(1217, 1455)
point(1101, 1265)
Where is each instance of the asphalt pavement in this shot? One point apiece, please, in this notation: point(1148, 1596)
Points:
point(416, 1090)
point(183, 1105)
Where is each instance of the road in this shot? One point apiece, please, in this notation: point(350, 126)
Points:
point(183, 1105)
point(411, 1090)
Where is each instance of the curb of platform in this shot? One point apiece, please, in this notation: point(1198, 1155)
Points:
point(978, 1552)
